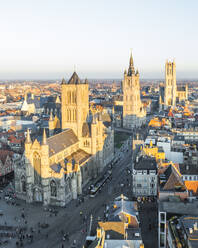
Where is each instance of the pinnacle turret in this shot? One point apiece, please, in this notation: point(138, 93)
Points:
point(28, 138)
point(131, 61)
point(63, 81)
point(44, 141)
point(51, 116)
point(131, 69)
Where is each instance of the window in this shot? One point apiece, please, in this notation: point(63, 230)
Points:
point(86, 143)
point(53, 189)
point(23, 184)
point(162, 216)
point(37, 168)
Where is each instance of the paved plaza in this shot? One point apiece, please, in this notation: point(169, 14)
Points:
point(31, 225)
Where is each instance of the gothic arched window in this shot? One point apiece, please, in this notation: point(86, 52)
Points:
point(69, 97)
point(23, 184)
point(37, 168)
point(70, 115)
point(53, 189)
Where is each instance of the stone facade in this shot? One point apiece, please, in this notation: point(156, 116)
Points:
point(55, 170)
point(144, 177)
point(170, 84)
point(134, 114)
point(170, 93)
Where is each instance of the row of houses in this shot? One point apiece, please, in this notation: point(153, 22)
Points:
point(166, 167)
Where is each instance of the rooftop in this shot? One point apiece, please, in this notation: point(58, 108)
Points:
point(189, 169)
point(122, 243)
point(61, 141)
point(145, 163)
point(184, 230)
point(179, 207)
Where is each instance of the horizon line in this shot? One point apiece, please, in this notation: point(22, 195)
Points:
point(113, 79)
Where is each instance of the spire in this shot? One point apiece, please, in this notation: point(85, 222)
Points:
point(58, 99)
point(51, 116)
point(28, 138)
point(44, 142)
point(131, 69)
point(131, 61)
point(63, 81)
point(74, 79)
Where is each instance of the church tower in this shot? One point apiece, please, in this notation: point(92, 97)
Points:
point(74, 104)
point(170, 84)
point(133, 112)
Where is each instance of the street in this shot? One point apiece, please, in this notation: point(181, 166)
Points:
point(148, 213)
point(73, 220)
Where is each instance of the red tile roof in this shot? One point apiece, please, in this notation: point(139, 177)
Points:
point(4, 154)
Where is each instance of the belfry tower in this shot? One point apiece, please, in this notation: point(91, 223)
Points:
point(170, 84)
point(133, 111)
point(75, 104)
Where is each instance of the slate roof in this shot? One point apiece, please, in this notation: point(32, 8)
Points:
point(190, 170)
point(188, 222)
point(123, 205)
point(145, 163)
point(172, 178)
point(127, 207)
point(61, 141)
point(77, 157)
point(74, 79)
point(86, 129)
point(56, 167)
point(37, 101)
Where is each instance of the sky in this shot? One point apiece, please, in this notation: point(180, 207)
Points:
point(47, 39)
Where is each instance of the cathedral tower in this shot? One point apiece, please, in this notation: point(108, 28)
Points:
point(170, 84)
point(133, 112)
point(75, 104)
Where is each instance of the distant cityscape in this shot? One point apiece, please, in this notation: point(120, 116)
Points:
point(83, 162)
